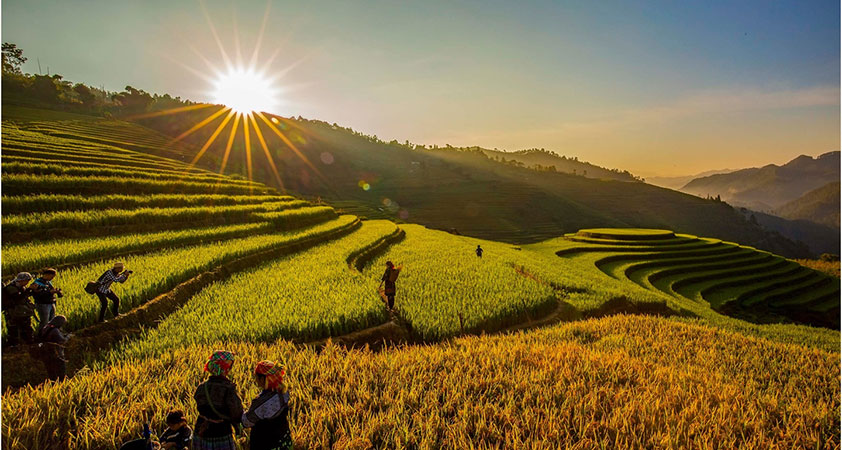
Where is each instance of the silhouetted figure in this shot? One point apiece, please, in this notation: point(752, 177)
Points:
point(18, 309)
point(44, 294)
point(479, 251)
point(104, 292)
point(267, 415)
point(220, 408)
point(389, 278)
point(54, 340)
point(178, 434)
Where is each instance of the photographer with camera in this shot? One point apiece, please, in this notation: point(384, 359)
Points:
point(104, 292)
point(18, 310)
point(44, 294)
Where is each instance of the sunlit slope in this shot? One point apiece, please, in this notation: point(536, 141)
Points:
point(79, 199)
point(485, 198)
point(618, 382)
point(735, 280)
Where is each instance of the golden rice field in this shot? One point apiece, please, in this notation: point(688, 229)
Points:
point(616, 382)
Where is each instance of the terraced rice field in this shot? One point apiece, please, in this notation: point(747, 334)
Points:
point(222, 262)
point(78, 198)
point(737, 280)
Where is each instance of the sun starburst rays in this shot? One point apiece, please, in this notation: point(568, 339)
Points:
point(241, 93)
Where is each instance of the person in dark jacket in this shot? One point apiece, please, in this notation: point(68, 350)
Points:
point(220, 408)
point(479, 251)
point(267, 415)
point(44, 294)
point(389, 278)
point(116, 274)
point(178, 434)
point(54, 338)
point(18, 309)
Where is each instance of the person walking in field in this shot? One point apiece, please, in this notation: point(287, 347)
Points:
point(18, 309)
point(54, 340)
point(220, 408)
point(389, 278)
point(479, 251)
point(267, 415)
point(44, 294)
point(104, 292)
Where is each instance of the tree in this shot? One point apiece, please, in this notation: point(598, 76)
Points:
point(133, 100)
point(86, 96)
point(44, 87)
point(12, 58)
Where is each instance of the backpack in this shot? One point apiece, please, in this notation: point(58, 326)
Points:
point(92, 286)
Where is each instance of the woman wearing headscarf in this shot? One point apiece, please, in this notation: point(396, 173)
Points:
point(219, 406)
point(267, 415)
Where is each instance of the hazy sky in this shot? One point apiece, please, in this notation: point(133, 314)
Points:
point(669, 88)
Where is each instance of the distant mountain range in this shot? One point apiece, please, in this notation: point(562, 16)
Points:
point(678, 182)
point(770, 187)
point(819, 205)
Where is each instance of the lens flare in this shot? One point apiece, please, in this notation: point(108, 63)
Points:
point(244, 91)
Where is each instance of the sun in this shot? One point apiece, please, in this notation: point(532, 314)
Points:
point(245, 91)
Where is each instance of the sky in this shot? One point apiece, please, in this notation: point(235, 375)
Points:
point(657, 88)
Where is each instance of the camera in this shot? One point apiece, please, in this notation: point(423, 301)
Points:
point(129, 272)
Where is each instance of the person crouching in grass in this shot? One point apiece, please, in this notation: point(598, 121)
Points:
point(267, 415)
point(178, 434)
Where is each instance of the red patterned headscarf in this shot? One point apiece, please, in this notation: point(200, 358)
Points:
point(274, 374)
point(220, 363)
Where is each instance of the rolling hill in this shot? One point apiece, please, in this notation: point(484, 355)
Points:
point(819, 205)
point(769, 187)
point(678, 182)
point(546, 160)
point(463, 191)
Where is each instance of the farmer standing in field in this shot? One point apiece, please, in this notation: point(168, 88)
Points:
point(104, 292)
point(220, 408)
point(18, 309)
point(267, 415)
point(389, 278)
point(44, 294)
point(479, 251)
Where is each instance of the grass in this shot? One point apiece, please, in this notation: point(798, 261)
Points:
point(829, 267)
point(302, 290)
point(25, 184)
point(444, 289)
point(153, 174)
point(43, 222)
point(50, 202)
point(34, 255)
point(626, 233)
point(162, 270)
